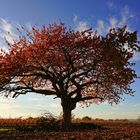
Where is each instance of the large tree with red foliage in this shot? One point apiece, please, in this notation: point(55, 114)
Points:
point(71, 65)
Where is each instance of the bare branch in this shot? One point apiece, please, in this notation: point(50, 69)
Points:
point(89, 98)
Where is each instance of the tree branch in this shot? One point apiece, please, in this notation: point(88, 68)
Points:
point(91, 82)
point(23, 90)
point(89, 98)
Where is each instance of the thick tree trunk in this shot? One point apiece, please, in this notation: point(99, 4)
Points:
point(67, 106)
point(66, 118)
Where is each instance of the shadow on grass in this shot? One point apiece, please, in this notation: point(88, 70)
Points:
point(58, 127)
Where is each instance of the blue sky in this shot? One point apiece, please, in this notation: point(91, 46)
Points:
point(79, 15)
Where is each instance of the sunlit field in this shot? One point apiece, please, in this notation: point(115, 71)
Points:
point(44, 129)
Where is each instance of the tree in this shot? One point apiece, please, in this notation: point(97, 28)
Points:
point(138, 119)
point(86, 118)
point(71, 65)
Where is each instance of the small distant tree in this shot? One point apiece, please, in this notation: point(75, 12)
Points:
point(138, 119)
point(87, 118)
point(71, 65)
point(77, 119)
point(60, 116)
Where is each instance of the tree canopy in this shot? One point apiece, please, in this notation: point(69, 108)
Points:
point(71, 65)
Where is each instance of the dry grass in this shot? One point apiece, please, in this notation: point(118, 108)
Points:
point(111, 130)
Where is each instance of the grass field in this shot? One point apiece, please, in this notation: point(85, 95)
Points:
point(27, 129)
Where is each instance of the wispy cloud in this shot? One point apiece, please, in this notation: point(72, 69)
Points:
point(136, 57)
point(7, 31)
point(124, 18)
point(28, 26)
point(35, 99)
point(126, 15)
point(110, 4)
point(137, 105)
point(75, 18)
point(55, 105)
point(81, 25)
point(100, 26)
point(113, 22)
point(5, 25)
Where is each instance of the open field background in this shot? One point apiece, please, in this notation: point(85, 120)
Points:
point(33, 129)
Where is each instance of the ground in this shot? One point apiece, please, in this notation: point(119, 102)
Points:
point(104, 130)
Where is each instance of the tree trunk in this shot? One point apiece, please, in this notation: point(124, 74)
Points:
point(67, 105)
point(66, 117)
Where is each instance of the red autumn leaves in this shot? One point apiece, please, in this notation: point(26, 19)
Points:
point(64, 62)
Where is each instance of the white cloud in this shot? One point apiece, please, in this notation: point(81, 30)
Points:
point(137, 105)
point(136, 57)
point(100, 26)
point(126, 15)
point(39, 105)
point(124, 18)
point(113, 22)
point(35, 99)
point(110, 4)
point(75, 18)
point(82, 25)
point(5, 25)
point(12, 108)
point(103, 26)
point(4, 100)
point(55, 105)
point(7, 31)
point(29, 26)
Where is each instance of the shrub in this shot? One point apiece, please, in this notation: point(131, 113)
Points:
point(87, 118)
